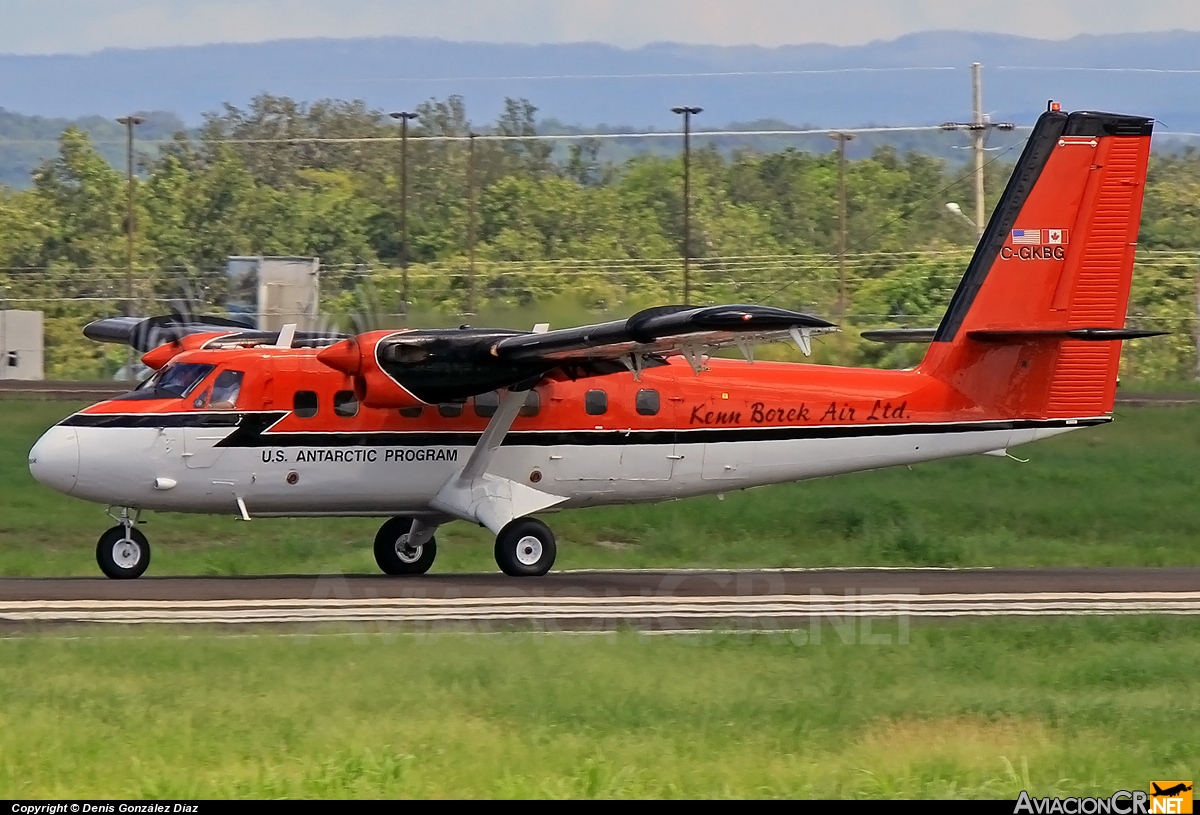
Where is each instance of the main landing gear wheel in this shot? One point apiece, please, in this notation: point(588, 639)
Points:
point(525, 548)
point(123, 555)
point(395, 556)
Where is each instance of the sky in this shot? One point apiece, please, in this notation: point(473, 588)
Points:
point(72, 26)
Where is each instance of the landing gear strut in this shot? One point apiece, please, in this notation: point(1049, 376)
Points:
point(123, 553)
point(525, 548)
point(400, 550)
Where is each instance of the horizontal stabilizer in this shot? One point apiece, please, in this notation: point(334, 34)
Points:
point(896, 335)
point(1089, 334)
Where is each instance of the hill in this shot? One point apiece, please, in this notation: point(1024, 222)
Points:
point(26, 140)
point(630, 86)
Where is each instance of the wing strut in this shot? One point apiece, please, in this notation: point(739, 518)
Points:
point(473, 494)
point(493, 435)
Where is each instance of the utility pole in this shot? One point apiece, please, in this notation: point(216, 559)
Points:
point(978, 127)
point(843, 226)
point(404, 116)
point(130, 226)
point(471, 227)
point(977, 136)
point(687, 113)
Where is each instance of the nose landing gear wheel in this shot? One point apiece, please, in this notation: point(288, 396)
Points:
point(525, 548)
point(121, 555)
point(395, 556)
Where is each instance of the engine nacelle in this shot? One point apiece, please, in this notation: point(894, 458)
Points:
point(372, 387)
point(426, 366)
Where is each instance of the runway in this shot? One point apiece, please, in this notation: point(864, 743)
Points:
point(591, 600)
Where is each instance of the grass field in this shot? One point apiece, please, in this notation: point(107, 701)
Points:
point(1123, 494)
point(963, 709)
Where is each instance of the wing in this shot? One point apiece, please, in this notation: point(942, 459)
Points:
point(147, 333)
point(662, 332)
point(439, 365)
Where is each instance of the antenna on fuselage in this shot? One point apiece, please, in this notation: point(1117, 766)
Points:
point(286, 335)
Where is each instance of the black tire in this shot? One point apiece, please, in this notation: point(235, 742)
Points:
point(120, 558)
point(525, 548)
point(393, 557)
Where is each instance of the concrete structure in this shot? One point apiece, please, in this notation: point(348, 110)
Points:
point(275, 291)
point(21, 345)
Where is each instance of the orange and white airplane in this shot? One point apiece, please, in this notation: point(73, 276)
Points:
point(496, 426)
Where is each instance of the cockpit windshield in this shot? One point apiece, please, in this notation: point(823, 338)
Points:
point(177, 379)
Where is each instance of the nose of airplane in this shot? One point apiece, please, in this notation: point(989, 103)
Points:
point(54, 460)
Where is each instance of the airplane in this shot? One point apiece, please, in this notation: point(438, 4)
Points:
point(495, 427)
point(1170, 792)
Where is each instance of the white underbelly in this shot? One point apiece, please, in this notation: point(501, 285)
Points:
point(148, 468)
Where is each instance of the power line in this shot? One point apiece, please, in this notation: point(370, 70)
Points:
point(576, 136)
point(654, 134)
point(1076, 69)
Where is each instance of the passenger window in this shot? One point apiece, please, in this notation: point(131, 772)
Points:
point(304, 404)
point(412, 412)
point(533, 404)
point(647, 402)
point(225, 390)
point(451, 410)
point(486, 404)
point(596, 403)
point(345, 404)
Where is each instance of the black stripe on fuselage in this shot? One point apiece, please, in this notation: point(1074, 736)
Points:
point(160, 419)
point(254, 431)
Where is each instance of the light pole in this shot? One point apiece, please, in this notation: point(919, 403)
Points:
point(404, 116)
point(471, 226)
point(956, 210)
point(843, 228)
point(130, 307)
point(687, 113)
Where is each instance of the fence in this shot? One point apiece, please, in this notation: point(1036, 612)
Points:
point(881, 289)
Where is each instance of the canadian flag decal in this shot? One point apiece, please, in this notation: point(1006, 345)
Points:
point(1056, 236)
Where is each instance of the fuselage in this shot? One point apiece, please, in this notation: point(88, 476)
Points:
point(294, 441)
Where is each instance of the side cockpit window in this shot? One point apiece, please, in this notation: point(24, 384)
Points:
point(225, 390)
point(304, 404)
point(178, 379)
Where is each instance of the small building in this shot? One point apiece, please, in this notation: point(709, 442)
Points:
point(275, 291)
point(22, 345)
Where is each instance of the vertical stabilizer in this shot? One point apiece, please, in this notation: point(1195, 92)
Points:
point(1035, 327)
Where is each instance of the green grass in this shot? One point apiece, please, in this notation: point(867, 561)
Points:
point(963, 709)
point(1123, 494)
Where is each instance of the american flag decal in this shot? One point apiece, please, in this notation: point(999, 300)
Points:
point(1031, 237)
